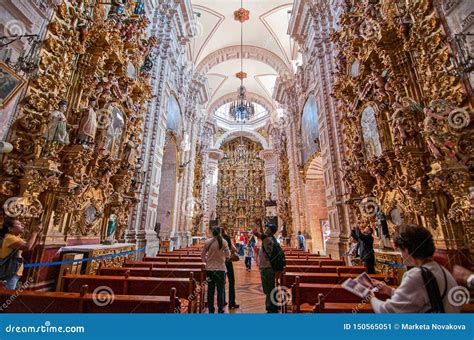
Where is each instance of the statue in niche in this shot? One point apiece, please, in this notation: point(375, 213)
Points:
point(87, 124)
point(57, 130)
point(382, 230)
point(111, 229)
point(130, 153)
point(440, 145)
point(372, 145)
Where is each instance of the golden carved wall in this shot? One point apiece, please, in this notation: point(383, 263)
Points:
point(407, 120)
point(74, 165)
point(241, 185)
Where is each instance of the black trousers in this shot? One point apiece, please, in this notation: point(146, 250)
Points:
point(231, 281)
point(215, 279)
point(370, 265)
point(248, 262)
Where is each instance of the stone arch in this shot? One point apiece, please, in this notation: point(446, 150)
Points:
point(251, 134)
point(315, 204)
point(168, 187)
point(250, 52)
point(230, 97)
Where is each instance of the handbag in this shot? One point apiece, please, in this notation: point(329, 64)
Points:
point(234, 257)
point(10, 264)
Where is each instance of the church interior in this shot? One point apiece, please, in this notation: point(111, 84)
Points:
point(131, 129)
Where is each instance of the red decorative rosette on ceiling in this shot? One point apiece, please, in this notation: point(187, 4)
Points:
point(242, 15)
point(241, 75)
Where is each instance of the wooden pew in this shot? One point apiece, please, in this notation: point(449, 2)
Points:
point(199, 274)
point(326, 269)
point(142, 264)
point(137, 285)
point(308, 257)
point(172, 259)
point(343, 307)
point(83, 302)
point(289, 278)
point(307, 293)
point(314, 262)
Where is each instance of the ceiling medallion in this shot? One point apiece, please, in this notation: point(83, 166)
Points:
point(241, 75)
point(241, 109)
point(242, 15)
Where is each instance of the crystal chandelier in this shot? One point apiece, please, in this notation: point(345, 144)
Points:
point(241, 109)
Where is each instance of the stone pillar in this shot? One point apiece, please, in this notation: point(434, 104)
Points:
point(270, 171)
point(211, 180)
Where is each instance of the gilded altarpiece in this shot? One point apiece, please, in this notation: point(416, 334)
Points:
point(407, 122)
point(75, 158)
point(241, 185)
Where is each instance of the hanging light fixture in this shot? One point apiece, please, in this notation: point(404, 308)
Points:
point(241, 109)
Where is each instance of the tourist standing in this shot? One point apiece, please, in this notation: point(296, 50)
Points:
point(366, 247)
point(230, 272)
point(425, 288)
point(12, 246)
point(249, 255)
point(214, 253)
point(301, 241)
point(267, 273)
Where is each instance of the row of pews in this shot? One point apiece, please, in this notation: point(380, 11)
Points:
point(167, 283)
point(316, 285)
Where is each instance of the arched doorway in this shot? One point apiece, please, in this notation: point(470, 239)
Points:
point(316, 209)
point(167, 194)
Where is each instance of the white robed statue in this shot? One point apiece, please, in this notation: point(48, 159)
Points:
point(57, 125)
point(88, 124)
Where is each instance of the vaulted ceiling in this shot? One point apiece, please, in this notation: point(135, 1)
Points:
point(268, 50)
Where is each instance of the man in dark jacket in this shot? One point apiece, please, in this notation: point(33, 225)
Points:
point(230, 271)
point(366, 247)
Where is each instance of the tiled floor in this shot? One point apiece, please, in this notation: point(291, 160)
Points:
point(248, 289)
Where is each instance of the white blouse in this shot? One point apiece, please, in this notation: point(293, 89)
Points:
point(411, 296)
point(213, 256)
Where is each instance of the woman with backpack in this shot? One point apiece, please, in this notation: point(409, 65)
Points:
point(426, 287)
point(215, 253)
point(12, 246)
point(271, 262)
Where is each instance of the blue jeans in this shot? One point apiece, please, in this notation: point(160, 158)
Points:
point(12, 282)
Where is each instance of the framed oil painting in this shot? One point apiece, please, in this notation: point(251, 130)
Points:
point(10, 84)
point(310, 128)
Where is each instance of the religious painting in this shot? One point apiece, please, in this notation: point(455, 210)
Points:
point(10, 84)
point(115, 131)
point(370, 134)
point(310, 129)
point(355, 68)
point(173, 120)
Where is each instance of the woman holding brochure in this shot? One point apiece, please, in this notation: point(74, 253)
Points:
point(426, 287)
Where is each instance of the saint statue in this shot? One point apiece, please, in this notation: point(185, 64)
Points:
point(88, 124)
point(111, 228)
point(57, 125)
point(382, 230)
point(130, 153)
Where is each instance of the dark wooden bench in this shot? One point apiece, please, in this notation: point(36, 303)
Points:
point(307, 293)
point(148, 264)
point(199, 274)
point(343, 307)
point(326, 269)
point(137, 285)
point(289, 278)
point(314, 262)
point(83, 302)
point(172, 259)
